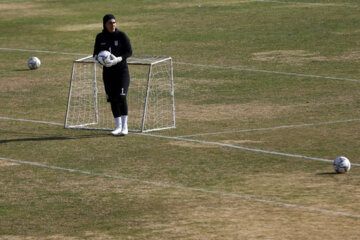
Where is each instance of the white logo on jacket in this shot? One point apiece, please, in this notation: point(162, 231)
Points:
point(116, 42)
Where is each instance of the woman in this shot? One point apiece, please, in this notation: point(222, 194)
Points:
point(115, 75)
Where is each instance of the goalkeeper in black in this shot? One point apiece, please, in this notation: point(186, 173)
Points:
point(115, 72)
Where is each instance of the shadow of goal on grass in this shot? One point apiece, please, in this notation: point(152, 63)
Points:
point(55, 138)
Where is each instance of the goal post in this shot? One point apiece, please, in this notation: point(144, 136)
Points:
point(150, 96)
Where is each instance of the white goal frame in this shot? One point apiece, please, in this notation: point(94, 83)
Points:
point(151, 94)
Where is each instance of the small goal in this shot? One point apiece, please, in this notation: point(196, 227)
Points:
point(150, 96)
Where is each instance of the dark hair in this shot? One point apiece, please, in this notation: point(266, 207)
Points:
point(106, 18)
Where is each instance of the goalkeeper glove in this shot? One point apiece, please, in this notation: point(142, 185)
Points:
point(115, 60)
point(108, 63)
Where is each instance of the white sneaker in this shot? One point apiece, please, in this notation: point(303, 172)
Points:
point(124, 131)
point(124, 125)
point(117, 131)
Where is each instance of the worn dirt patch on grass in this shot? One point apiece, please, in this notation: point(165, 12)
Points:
point(191, 144)
point(16, 6)
point(287, 56)
point(225, 218)
point(347, 32)
point(80, 27)
point(175, 5)
point(93, 26)
point(88, 235)
point(215, 112)
point(7, 164)
point(304, 5)
point(14, 10)
point(238, 142)
point(355, 55)
point(301, 56)
point(16, 83)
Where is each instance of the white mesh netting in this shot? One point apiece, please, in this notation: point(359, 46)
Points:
point(150, 96)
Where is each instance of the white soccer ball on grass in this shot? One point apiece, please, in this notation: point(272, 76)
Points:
point(104, 57)
point(34, 63)
point(342, 165)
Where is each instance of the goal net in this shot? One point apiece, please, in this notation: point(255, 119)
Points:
point(150, 96)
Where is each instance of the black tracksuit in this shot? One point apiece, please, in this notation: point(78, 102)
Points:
point(116, 78)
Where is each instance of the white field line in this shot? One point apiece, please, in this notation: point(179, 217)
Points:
point(266, 71)
point(245, 148)
point(312, 4)
point(33, 121)
point(166, 185)
point(271, 128)
point(206, 142)
point(203, 65)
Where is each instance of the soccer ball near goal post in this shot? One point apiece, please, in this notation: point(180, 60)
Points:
point(150, 96)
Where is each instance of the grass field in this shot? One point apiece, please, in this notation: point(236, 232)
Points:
point(267, 94)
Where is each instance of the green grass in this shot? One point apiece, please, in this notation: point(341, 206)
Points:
point(42, 203)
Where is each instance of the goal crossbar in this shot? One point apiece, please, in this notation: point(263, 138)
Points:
point(133, 60)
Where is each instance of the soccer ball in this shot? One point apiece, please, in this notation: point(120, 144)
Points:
point(342, 165)
point(34, 63)
point(104, 57)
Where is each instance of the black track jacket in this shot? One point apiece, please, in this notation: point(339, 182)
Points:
point(116, 77)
